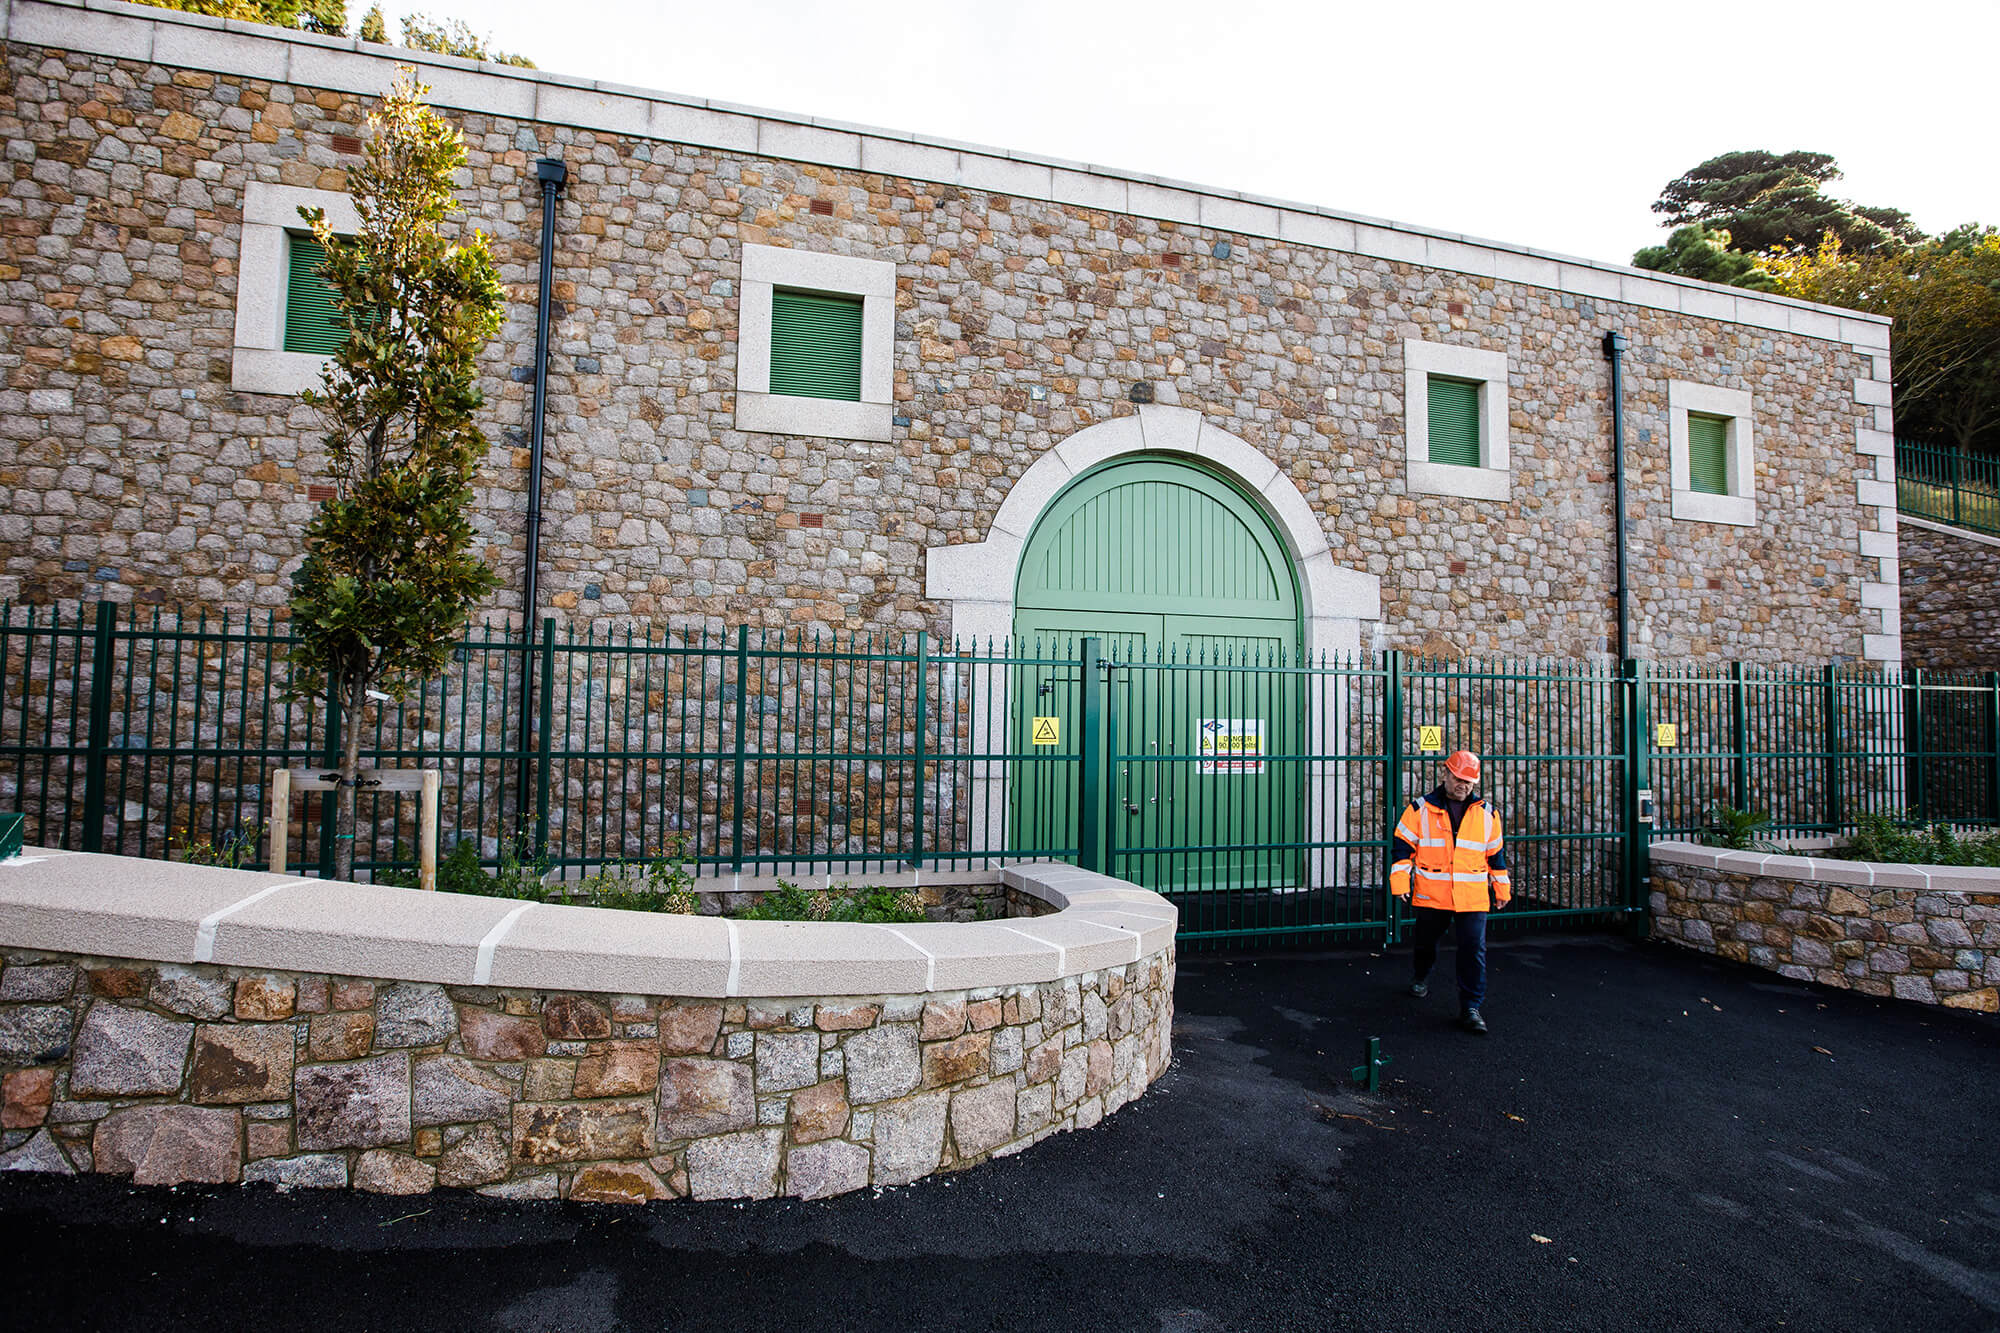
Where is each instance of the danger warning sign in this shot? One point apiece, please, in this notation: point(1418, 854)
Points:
point(1230, 745)
point(1048, 731)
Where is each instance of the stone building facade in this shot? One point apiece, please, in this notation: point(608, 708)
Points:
point(1027, 320)
point(1951, 597)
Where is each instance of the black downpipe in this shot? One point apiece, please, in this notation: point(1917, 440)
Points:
point(1614, 350)
point(552, 174)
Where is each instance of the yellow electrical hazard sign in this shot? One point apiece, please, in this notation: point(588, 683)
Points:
point(1048, 731)
point(1667, 736)
point(1430, 739)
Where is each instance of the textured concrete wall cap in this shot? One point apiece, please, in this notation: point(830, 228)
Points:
point(780, 958)
point(968, 956)
point(640, 953)
point(115, 907)
point(169, 912)
point(363, 930)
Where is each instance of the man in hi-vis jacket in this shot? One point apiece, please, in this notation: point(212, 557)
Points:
point(1451, 864)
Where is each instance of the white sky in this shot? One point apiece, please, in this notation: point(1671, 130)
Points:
point(1546, 124)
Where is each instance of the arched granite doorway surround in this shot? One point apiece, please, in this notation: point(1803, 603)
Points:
point(978, 579)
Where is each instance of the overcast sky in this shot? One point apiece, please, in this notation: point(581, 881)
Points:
point(1546, 124)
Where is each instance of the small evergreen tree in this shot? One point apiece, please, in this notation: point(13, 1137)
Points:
point(454, 37)
point(1694, 251)
point(389, 576)
point(328, 17)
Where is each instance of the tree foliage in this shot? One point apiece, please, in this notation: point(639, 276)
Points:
point(373, 27)
point(453, 37)
point(1945, 298)
point(1694, 251)
point(328, 17)
point(389, 576)
point(1766, 200)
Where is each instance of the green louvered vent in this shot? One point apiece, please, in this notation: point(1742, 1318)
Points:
point(312, 322)
point(816, 346)
point(1454, 421)
point(1708, 454)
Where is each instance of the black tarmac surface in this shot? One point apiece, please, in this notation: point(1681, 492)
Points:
point(1647, 1140)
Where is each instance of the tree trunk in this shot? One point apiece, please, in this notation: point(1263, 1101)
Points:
point(350, 765)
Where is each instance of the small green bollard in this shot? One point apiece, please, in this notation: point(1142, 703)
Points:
point(1369, 1075)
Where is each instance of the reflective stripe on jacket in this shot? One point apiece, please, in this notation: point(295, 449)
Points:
point(1447, 871)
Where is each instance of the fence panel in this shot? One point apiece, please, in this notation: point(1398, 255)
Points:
point(1257, 791)
point(1948, 485)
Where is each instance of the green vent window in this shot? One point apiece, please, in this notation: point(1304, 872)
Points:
point(312, 322)
point(1708, 454)
point(1454, 421)
point(816, 346)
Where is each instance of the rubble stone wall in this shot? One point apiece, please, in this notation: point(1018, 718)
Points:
point(1924, 933)
point(174, 1074)
point(1032, 300)
point(1951, 597)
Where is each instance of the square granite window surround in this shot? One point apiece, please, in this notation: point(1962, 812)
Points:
point(1452, 368)
point(259, 362)
point(767, 270)
point(1694, 499)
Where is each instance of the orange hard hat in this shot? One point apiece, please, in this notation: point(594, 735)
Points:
point(1463, 765)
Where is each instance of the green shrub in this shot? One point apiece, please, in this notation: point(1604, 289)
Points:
point(663, 883)
point(1738, 830)
point(1880, 838)
point(874, 905)
point(234, 848)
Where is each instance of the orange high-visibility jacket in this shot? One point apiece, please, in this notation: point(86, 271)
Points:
point(1453, 873)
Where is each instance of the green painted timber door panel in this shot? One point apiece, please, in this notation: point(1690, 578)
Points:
point(1186, 583)
point(1042, 785)
point(1210, 749)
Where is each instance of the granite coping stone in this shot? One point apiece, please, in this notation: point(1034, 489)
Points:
point(170, 912)
point(1827, 870)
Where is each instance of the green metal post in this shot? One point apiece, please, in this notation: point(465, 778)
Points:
point(742, 707)
point(1638, 774)
point(1836, 814)
point(96, 758)
point(1957, 486)
point(1392, 781)
point(1993, 744)
point(327, 799)
point(923, 726)
point(544, 737)
point(1739, 738)
point(1090, 763)
point(1913, 713)
point(1369, 1072)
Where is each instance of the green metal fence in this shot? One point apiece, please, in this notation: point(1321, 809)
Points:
point(1948, 485)
point(1257, 792)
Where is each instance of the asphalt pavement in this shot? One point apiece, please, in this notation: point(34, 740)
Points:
point(1648, 1139)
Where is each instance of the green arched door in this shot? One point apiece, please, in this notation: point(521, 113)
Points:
point(1182, 576)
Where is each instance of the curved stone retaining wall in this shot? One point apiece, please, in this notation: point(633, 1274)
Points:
point(184, 1024)
point(1925, 933)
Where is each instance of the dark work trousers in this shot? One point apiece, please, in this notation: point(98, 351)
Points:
point(1469, 933)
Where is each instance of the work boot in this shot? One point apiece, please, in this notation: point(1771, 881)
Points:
point(1419, 989)
point(1472, 1022)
